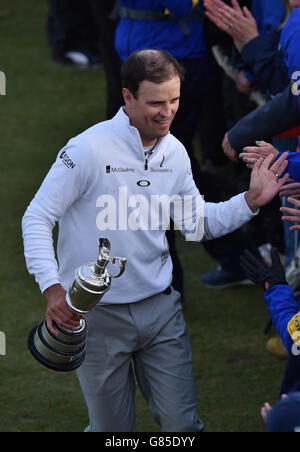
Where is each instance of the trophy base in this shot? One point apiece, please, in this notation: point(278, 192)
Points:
point(41, 345)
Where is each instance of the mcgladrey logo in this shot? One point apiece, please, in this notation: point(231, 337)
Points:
point(112, 169)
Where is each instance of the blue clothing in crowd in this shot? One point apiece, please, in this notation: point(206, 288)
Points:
point(266, 63)
point(293, 167)
point(168, 34)
point(282, 307)
point(283, 111)
point(268, 14)
point(290, 38)
point(280, 298)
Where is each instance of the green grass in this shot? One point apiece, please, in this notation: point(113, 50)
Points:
point(46, 105)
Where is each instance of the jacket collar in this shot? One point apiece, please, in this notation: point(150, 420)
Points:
point(130, 134)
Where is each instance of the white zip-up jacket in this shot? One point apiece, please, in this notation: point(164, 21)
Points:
point(102, 185)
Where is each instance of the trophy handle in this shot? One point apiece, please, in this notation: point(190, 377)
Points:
point(103, 259)
point(122, 263)
point(104, 247)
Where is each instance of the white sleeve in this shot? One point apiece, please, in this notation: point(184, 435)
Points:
point(202, 220)
point(65, 182)
point(188, 205)
point(225, 217)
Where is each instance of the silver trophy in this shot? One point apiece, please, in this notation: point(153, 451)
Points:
point(66, 352)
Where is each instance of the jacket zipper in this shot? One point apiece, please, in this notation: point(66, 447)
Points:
point(148, 155)
point(147, 159)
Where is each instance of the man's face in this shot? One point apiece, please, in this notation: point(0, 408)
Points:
point(153, 110)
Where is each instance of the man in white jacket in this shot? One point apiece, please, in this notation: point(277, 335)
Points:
point(123, 179)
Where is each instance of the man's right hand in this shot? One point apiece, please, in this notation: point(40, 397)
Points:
point(58, 310)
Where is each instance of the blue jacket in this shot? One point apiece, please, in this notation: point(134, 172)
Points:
point(268, 14)
point(283, 111)
point(290, 44)
point(280, 299)
point(282, 307)
point(293, 167)
point(132, 35)
point(266, 62)
point(290, 39)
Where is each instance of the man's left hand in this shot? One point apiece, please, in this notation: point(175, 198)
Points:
point(265, 181)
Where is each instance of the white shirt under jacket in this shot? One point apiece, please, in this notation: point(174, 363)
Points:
point(100, 186)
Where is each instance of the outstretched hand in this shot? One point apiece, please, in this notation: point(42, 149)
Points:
point(260, 273)
point(265, 181)
point(291, 188)
point(250, 154)
point(293, 214)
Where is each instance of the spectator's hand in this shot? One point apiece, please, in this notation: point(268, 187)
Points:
point(293, 214)
point(260, 273)
point(265, 181)
point(231, 153)
point(267, 407)
point(58, 310)
point(214, 10)
point(251, 154)
point(291, 188)
point(237, 22)
point(265, 410)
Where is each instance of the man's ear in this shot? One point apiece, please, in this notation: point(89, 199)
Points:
point(127, 96)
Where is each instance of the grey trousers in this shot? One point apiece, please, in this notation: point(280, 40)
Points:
point(150, 337)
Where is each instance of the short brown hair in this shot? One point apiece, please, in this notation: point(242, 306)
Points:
point(156, 66)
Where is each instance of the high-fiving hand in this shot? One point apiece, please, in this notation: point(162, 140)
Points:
point(265, 181)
